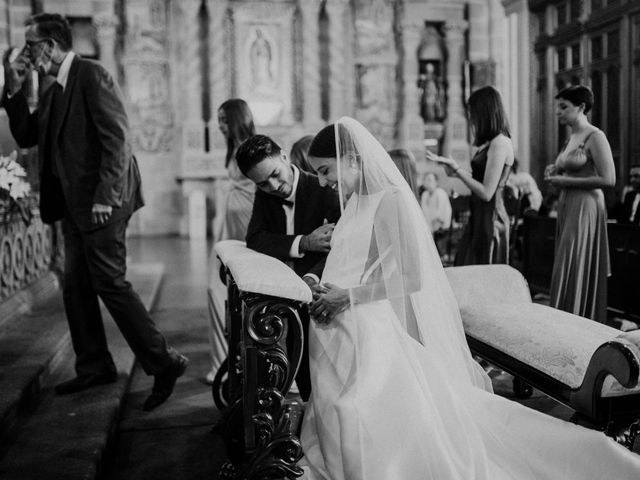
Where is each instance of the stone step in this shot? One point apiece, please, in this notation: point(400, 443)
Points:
point(31, 347)
point(63, 437)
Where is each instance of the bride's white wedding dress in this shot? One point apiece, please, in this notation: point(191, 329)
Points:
point(396, 394)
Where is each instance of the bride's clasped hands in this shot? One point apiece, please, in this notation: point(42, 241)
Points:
point(328, 301)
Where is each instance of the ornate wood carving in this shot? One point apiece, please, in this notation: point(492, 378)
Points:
point(261, 428)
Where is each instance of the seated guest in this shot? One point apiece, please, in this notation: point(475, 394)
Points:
point(629, 211)
point(299, 153)
point(292, 220)
point(435, 204)
point(406, 163)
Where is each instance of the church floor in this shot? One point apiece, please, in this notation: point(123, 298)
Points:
point(175, 441)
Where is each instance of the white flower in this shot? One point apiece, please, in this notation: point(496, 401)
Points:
point(20, 190)
point(13, 177)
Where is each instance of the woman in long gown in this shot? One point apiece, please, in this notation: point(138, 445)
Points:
point(236, 124)
point(583, 168)
point(396, 394)
point(486, 236)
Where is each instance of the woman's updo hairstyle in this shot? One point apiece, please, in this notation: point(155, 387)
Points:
point(324, 143)
point(578, 95)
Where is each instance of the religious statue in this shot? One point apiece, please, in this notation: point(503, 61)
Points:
point(261, 58)
point(432, 102)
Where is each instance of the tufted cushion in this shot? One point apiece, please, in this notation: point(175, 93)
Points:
point(226, 249)
point(487, 284)
point(257, 273)
point(544, 338)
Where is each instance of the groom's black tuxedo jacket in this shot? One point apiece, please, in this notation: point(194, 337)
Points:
point(268, 226)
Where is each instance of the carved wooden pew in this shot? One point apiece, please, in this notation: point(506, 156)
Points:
point(590, 367)
point(264, 301)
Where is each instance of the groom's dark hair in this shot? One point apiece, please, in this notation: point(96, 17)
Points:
point(254, 150)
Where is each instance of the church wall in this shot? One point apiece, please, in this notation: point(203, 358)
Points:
point(300, 64)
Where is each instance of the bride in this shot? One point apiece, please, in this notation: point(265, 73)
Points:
point(396, 394)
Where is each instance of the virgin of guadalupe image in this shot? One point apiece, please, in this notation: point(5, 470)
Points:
point(260, 56)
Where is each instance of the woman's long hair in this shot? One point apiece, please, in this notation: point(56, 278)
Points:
point(240, 124)
point(300, 152)
point(406, 163)
point(487, 115)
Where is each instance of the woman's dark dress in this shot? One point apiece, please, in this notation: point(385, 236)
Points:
point(486, 237)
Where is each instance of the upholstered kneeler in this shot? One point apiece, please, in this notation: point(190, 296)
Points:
point(588, 366)
point(254, 272)
point(265, 299)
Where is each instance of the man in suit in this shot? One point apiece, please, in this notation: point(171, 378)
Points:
point(89, 179)
point(629, 210)
point(292, 220)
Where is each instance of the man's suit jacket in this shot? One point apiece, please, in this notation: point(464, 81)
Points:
point(91, 140)
point(625, 209)
point(268, 226)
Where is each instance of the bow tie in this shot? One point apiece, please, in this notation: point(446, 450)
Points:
point(287, 203)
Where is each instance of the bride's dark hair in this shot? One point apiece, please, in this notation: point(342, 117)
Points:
point(323, 144)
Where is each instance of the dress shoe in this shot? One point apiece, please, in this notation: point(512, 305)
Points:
point(83, 382)
point(164, 383)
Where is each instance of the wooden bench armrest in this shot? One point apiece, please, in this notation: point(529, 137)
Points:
point(614, 358)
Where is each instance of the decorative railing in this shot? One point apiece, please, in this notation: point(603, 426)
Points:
point(28, 248)
point(265, 347)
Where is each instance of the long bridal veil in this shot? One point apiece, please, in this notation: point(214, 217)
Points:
point(388, 371)
point(403, 264)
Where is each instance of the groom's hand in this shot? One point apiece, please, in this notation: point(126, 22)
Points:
point(319, 240)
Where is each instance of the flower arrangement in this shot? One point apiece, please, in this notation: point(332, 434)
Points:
point(13, 185)
point(13, 182)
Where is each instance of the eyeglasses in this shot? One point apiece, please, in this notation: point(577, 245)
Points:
point(31, 45)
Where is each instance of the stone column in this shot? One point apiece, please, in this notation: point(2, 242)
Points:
point(455, 138)
point(411, 131)
point(106, 24)
point(188, 90)
point(311, 105)
point(336, 11)
point(519, 84)
point(220, 88)
point(479, 45)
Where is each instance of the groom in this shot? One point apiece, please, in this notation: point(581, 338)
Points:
point(292, 220)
